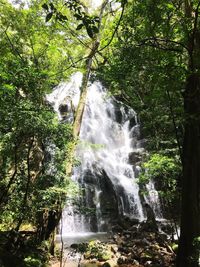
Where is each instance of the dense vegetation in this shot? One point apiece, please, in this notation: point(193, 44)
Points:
point(33, 144)
point(147, 54)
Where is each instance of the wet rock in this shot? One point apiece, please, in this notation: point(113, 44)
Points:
point(123, 249)
point(93, 260)
point(132, 122)
point(148, 226)
point(127, 222)
point(151, 220)
point(142, 242)
point(106, 264)
point(136, 263)
point(148, 264)
point(110, 263)
point(118, 239)
point(135, 157)
point(117, 229)
point(147, 248)
point(82, 247)
point(74, 246)
point(118, 114)
point(63, 108)
point(114, 248)
point(122, 260)
point(133, 229)
point(167, 228)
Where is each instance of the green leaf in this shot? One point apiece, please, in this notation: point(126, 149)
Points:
point(95, 29)
point(89, 31)
point(52, 7)
point(49, 16)
point(77, 16)
point(45, 6)
point(170, 6)
point(80, 26)
point(8, 87)
point(96, 19)
point(61, 17)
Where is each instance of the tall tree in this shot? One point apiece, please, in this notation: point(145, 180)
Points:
point(94, 26)
point(189, 253)
point(95, 36)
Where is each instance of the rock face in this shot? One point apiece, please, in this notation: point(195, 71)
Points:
point(66, 111)
point(106, 198)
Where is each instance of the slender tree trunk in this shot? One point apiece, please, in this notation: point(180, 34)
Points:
point(84, 89)
point(86, 76)
point(80, 108)
point(25, 198)
point(190, 218)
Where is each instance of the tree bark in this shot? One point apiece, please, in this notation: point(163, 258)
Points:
point(188, 254)
point(189, 248)
point(86, 76)
point(84, 89)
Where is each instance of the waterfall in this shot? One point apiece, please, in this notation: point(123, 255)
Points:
point(109, 153)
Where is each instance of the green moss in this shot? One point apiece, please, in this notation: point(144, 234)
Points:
point(98, 250)
point(174, 246)
point(32, 262)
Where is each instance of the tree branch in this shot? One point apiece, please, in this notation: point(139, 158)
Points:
point(74, 34)
point(70, 66)
point(163, 44)
point(12, 46)
point(34, 55)
point(25, 198)
point(115, 30)
point(175, 126)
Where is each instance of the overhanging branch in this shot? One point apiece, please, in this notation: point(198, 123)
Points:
point(163, 44)
point(12, 46)
point(115, 30)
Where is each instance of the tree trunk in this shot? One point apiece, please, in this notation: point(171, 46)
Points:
point(188, 254)
point(189, 246)
point(86, 76)
point(84, 88)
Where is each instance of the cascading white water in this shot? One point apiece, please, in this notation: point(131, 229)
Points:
point(100, 127)
point(109, 138)
point(66, 94)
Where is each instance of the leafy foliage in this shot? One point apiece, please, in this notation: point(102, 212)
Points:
point(31, 137)
point(97, 250)
point(146, 78)
point(78, 9)
point(164, 171)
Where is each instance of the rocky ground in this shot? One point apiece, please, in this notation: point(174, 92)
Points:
point(140, 245)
